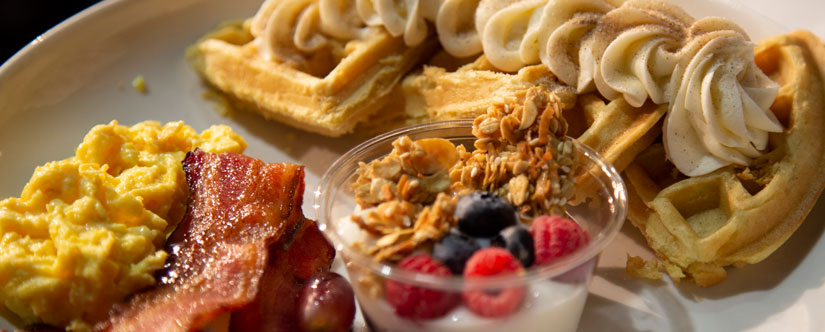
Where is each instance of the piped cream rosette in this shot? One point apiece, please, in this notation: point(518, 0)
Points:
point(719, 100)
point(288, 29)
point(723, 97)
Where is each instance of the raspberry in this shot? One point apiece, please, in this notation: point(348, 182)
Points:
point(417, 302)
point(555, 237)
point(490, 262)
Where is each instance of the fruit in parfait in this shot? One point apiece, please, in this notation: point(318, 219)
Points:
point(417, 302)
point(501, 302)
point(484, 214)
point(555, 237)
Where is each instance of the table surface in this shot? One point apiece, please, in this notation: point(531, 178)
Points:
point(21, 21)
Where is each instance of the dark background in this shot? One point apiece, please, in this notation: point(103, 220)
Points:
point(21, 21)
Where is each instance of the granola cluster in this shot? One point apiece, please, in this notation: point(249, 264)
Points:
point(407, 198)
point(521, 154)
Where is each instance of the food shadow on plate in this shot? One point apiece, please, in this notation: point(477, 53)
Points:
point(633, 304)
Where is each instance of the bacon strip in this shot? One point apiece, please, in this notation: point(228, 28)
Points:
point(238, 208)
point(274, 309)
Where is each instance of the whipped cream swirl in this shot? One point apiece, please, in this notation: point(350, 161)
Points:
point(287, 30)
point(720, 113)
point(639, 44)
point(518, 33)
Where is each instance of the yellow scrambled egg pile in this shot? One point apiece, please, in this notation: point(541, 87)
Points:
point(89, 230)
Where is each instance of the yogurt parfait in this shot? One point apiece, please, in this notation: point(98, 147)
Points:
point(491, 224)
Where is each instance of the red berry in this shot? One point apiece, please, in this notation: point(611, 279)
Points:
point(417, 302)
point(490, 262)
point(555, 237)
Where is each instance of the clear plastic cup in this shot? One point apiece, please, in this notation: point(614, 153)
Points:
point(554, 294)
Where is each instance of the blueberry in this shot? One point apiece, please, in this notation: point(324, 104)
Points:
point(454, 250)
point(518, 241)
point(484, 214)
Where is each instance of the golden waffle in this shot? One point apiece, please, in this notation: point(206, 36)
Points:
point(616, 130)
point(446, 89)
point(472, 88)
point(737, 215)
point(323, 92)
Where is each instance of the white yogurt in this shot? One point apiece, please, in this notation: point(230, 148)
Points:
point(548, 307)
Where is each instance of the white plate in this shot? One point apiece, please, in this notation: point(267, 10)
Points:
point(78, 75)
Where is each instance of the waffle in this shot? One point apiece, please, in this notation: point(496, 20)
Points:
point(616, 130)
point(326, 91)
point(436, 94)
point(736, 215)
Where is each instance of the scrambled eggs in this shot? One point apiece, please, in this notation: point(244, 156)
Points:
point(89, 230)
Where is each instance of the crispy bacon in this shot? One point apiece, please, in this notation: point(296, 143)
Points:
point(274, 309)
point(239, 208)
